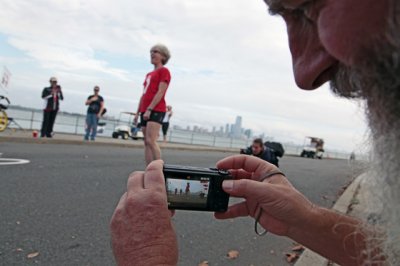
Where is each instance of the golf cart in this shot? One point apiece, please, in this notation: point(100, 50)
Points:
point(126, 129)
point(313, 148)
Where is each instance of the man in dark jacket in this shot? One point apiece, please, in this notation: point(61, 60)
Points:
point(51, 96)
point(261, 151)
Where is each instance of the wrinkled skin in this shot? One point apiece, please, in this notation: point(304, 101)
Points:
point(141, 228)
point(283, 207)
point(325, 33)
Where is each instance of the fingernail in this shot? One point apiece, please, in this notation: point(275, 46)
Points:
point(227, 185)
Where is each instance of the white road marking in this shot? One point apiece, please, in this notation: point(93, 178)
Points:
point(12, 161)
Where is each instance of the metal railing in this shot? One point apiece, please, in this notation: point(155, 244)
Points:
point(71, 123)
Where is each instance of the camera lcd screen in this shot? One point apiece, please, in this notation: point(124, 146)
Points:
point(187, 192)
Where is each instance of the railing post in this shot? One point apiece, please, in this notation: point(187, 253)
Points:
point(191, 139)
point(170, 136)
point(32, 115)
point(76, 125)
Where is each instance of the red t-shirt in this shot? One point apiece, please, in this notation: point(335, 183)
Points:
point(150, 88)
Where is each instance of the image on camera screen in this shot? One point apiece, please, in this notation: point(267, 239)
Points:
point(187, 193)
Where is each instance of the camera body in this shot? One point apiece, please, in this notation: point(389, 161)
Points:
point(196, 188)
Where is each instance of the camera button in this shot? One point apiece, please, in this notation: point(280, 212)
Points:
point(223, 172)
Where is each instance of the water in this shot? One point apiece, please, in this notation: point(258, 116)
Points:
point(75, 124)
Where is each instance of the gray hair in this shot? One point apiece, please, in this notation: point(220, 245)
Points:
point(164, 51)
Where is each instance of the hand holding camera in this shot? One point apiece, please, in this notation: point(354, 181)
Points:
point(141, 228)
point(278, 205)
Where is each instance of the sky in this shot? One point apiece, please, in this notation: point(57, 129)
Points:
point(229, 58)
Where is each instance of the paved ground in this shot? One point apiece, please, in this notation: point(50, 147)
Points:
point(60, 204)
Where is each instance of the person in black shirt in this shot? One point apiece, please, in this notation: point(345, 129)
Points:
point(94, 112)
point(261, 151)
point(51, 96)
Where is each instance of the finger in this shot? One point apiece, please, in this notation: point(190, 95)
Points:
point(154, 177)
point(237, 210)
point(248, 163)
point(240, 174)
point(120, 206)
point(121, 202)
point(135, 182)
point(245, 188)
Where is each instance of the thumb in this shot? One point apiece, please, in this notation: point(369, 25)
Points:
point(245, 188)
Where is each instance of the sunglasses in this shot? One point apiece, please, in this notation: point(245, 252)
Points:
point(155, 52)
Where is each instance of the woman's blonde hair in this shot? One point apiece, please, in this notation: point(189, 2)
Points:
point(164, 51)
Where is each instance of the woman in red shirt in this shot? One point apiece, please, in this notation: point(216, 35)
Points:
point(152, 106)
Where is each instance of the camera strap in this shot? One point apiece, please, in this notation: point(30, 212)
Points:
point(269, 174)
point(256, 225)
point(260, 212)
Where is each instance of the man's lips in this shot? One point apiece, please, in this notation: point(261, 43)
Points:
point(325, 76)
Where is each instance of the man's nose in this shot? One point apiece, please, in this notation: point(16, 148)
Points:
point(312, 64)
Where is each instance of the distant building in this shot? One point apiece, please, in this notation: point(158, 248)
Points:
point(237, 127)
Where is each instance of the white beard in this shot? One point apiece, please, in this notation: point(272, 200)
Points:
point(386, 173)
point(377, 81)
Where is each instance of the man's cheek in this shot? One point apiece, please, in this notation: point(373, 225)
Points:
point(348, 29)
point(335, 38)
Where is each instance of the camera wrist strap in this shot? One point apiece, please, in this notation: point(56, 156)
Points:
point(260, 212)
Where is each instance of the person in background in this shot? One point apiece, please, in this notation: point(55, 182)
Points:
point(261, 151)
point(51, 96)
point(95, 110)
point(152, 106)
point(165, 122)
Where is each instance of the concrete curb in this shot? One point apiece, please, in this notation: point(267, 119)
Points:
point(309, 257)
point(104, 141)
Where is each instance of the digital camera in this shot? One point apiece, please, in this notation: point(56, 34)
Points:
point(196, 188)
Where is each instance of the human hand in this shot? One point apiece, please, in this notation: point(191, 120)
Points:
point(283, 207)
point(141, 228)
point(146, 115)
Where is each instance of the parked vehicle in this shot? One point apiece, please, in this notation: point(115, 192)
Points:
point(313, 148)
point(126, 129)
